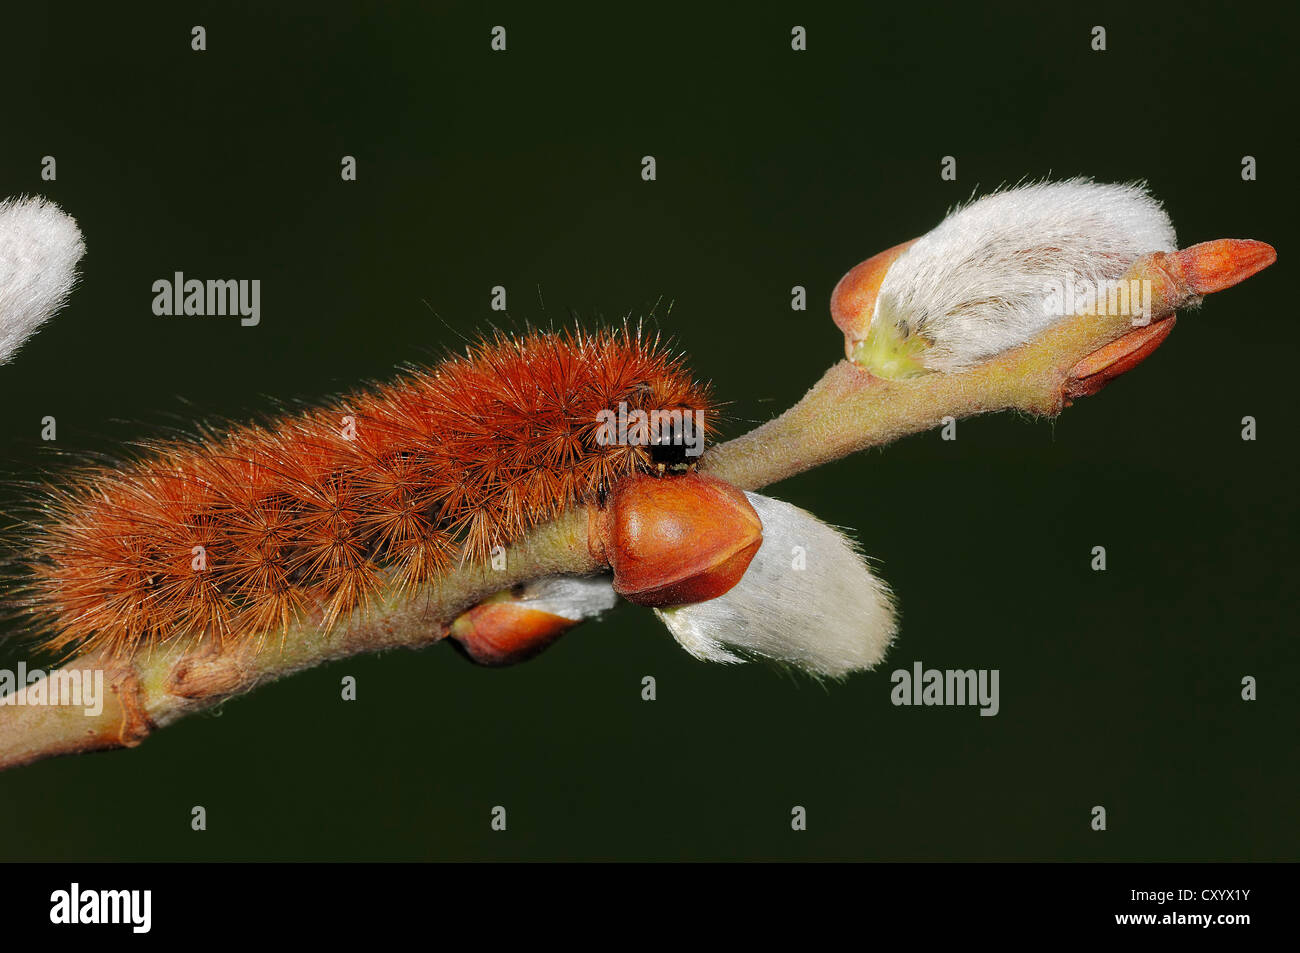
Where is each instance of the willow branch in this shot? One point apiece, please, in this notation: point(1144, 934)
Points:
point(847, 410)
point(154, 689)
point(850, 410)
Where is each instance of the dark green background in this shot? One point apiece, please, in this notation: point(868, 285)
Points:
point(1118, 688)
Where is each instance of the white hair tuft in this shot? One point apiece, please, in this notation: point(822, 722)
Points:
point(40, 246)
point(571, 597)
point(828, 617)
point(977, 283)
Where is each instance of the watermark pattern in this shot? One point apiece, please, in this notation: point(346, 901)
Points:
point(102, 907)
point(179, 296)
point(1074, 295)
point(932, 686)
point(641, 428)
point(71, 687)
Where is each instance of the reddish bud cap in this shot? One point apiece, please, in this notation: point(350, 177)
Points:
point(677, 539)
point(1214, 266)
point(854, 299)
point(498, 633)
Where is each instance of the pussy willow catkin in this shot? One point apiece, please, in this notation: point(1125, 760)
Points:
point(978, 283)
point(40, 246)
point(239, 535)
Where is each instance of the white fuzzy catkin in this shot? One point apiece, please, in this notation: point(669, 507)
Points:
point(978, 283)
point(40, 246)
point(828, 617)
point(570, 597)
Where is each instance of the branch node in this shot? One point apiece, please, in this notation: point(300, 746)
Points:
point(136, 724)
point(205, 677)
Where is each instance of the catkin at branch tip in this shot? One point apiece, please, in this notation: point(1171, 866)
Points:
point(976, 284)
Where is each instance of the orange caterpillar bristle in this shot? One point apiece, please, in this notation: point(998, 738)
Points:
point(244, 533)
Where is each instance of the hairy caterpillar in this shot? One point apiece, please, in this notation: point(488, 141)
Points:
point(239, 533)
